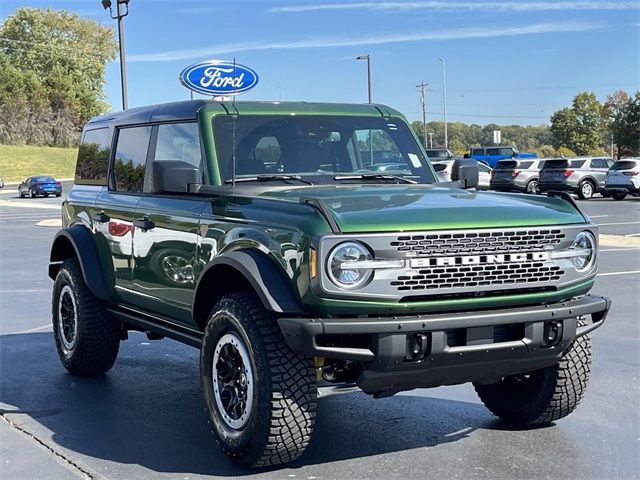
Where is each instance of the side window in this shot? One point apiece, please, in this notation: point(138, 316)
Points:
point(93, 157)
point(267, 151)
point(178, 141)
point(483, 168)
point(130, 159)
point(493, 151)
point(506, 151)
point(610, 162)
point(477, 151)
point(598, 163)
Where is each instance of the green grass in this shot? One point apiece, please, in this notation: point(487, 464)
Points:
point(20, 162)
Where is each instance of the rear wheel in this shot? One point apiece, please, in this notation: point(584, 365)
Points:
point(586, 189)
point(619, 195)
point(87, 338)
point(532, 187)
point(545, 395)
point(260, 397)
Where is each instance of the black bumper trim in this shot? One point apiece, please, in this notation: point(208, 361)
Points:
point(389, 370)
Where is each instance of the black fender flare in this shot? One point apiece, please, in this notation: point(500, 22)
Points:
point(267, 280)
point(78, 241)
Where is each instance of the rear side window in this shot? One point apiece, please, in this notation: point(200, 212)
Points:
point(178, 141)
point(506, 151)
point(130, 159)
point(599, 163)
point(576, 163)
point(493, 151)
point(477, 151)
point(93, 157)
point(525, 165)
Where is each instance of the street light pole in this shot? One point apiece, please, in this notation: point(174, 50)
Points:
point(444, 99)
point(122, 10)
point(368, 59)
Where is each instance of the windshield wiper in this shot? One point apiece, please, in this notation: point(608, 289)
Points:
point(269, 178)
point(374, 176)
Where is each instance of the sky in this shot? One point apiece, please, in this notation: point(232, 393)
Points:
point(507, 62)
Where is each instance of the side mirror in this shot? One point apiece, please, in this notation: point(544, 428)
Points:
point(174, 176)
point(466, 172)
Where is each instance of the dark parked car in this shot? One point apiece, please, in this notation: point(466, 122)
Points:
point(582, 175)
point(40, 185)
point(516, 175)
point(1, 183)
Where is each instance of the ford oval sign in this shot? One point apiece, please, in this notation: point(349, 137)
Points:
point(216, 77)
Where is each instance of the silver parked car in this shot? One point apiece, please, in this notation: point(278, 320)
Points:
point(582, 175)
point(623, 178)
point(443, 169)
point(516, 175)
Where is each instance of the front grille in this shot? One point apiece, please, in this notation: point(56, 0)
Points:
point(480, 275)
point(477, 242)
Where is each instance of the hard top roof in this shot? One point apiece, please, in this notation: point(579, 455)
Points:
point(187, 110)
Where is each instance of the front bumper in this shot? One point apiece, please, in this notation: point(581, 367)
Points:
point(481, 346)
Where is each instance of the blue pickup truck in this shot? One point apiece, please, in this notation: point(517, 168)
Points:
point(491, 155)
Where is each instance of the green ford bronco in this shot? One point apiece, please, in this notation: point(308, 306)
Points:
point(298, 244)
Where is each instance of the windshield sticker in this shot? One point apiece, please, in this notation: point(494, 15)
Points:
point(415, 161)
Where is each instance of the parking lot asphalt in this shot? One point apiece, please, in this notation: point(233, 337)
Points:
point(145, 418)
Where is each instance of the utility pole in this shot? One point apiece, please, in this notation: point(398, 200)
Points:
point(444, 100)
point(423, 99)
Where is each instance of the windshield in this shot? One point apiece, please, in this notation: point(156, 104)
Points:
point(624, 165)
point(43, 179)
point(317, 146)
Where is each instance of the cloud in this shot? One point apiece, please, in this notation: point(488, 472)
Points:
point(330, 42)
point(461, 6)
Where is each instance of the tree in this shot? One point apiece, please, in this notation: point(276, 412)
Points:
point(623, 112)
point(582, 127)
point(66, 53)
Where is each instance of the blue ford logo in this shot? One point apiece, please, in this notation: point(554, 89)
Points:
point(218, 78)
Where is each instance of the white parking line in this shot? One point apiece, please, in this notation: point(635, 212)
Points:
point(619, 249)
point(633, 235)
point(598, 216)
point(36, 329)
point(618, 223)
point(631, 272)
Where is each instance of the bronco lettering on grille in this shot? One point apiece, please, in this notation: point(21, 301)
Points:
point(478, 259)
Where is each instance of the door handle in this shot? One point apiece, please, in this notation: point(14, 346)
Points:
point(143, 224)
point(101, 217)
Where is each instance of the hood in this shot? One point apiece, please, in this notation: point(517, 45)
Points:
point(391, 208)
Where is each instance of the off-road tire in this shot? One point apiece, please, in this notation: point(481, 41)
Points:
point(549, 394)
point(97, 336)
point(619, 196)
point(282, 416)
point(583, 191)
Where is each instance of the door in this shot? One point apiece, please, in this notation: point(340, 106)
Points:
point(166, 228)
point(117, 204)
point(599, 169)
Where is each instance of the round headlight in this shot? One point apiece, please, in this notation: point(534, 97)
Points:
point(340, 265)
point(586, 242)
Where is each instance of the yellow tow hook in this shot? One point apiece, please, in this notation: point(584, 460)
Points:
point(319, 361)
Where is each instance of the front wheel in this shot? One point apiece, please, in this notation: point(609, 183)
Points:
point(87, 338)
point(619, 196)
point(545, 395)
point(260, 397)
point(33, 194)
point(586, 190)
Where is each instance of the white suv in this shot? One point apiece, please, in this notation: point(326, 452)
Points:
point(623, 178)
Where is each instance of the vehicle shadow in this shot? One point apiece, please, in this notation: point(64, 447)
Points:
point(147, 411)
